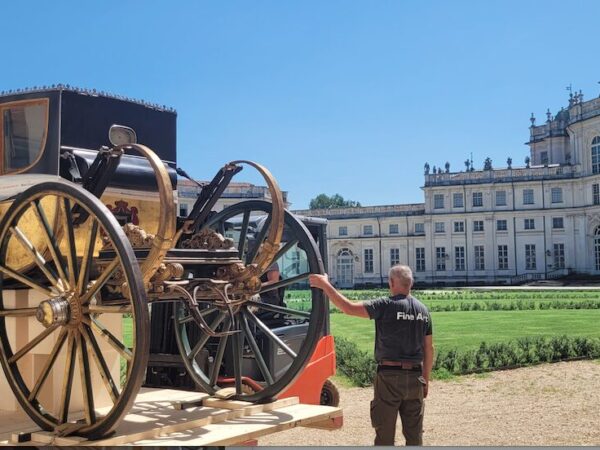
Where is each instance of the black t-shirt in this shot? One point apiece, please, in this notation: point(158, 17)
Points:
point(401, 324)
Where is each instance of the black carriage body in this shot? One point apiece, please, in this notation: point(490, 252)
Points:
point(78, 121)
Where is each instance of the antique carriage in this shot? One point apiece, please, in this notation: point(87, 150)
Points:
point(89, 231)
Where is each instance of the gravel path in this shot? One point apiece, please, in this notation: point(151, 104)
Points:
point(551, 404)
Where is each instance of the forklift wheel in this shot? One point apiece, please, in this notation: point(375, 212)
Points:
point(330, 396)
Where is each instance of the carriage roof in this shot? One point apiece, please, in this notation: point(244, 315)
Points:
point(37, 124)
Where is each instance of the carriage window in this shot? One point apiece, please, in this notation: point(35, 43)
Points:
point(24, 129)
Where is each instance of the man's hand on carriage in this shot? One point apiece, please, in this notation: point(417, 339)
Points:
point(319, 281)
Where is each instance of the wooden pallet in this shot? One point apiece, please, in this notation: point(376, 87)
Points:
point(170, 417)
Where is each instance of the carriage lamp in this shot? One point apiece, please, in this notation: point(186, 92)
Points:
point(121, 135)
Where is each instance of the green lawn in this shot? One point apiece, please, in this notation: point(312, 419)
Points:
point(127, 330)
point(464, 330)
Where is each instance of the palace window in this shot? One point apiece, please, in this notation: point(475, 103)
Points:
point(558, 223)
point(459, 259)
point(439, 227)
point(528, 197)
point(529, 224)
point(420, 259)
point(394, 256)
point(530, 263)
point(457, 200)
point(479, 257)
point(596, 193)
point(596, 155)
point(544, 158)
point(478, 225)
point(368, 260)
point(394, 228)
point(440, 259)
point(559, 256)
point(503, 257)
point(343, 231)
point(459, 227)
point(557, 195)
point(501, 225)
point(419, 228)
point(438, 201)
point(477, 199)
point(500, 198)
point(368, 230)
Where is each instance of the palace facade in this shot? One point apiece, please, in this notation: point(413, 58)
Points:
point(496, 225)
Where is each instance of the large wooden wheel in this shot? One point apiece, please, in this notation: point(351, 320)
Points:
point(255, 360)
point(65, 305)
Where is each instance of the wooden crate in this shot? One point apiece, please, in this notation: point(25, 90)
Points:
point(170, 417)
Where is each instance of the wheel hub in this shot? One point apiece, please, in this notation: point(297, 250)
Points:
point(53, 312)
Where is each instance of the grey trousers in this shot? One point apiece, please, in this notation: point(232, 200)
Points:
point(398, 392)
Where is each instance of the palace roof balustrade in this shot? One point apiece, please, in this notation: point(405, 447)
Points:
point(534, 173)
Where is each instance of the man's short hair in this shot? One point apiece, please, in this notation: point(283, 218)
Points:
point(402, 273)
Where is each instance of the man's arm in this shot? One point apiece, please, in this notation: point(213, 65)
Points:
point(346, 306)
point(427, 360)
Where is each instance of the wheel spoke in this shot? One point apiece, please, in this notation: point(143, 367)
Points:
point(279, 309)
point(204, 339)
point(19, 312)
point(86, 380)
point(214, 374)
point(238, 345)
point(37, 257)
point(110, 338)
point(86, 262)
point(271, 286)
point(101, 281)
point(67, 222)
point(271, 335)
point(251, 255)
point(63, 414)
point(32, 344)
point(50, 241)
point(260, 361)
point(243, 232)
point(107, 309)
point(48, 365)
point(107, 378)
point(26, 280)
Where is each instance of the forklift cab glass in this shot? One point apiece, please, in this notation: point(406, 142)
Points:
point(121, 135)
point(23, 131)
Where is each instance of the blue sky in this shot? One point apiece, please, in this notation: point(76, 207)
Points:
point(333, 96)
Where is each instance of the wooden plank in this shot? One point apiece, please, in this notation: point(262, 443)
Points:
point(333, 423)
point(213, 402)
point(242, 429)
point(49, 438)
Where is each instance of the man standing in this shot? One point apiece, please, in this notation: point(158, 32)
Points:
point(403, 350)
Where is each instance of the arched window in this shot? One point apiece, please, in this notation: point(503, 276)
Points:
point(597, 247)
point(596, 155)
point(345, 268)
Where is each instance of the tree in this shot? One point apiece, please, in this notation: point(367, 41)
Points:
point(324, 201)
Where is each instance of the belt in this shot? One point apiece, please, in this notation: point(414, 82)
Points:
point(399, 365)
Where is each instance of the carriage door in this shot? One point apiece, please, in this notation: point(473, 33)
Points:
point(345, 268)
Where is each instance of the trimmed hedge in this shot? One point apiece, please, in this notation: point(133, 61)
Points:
point(356, 364)
point(497, 305)
point(360, 366)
